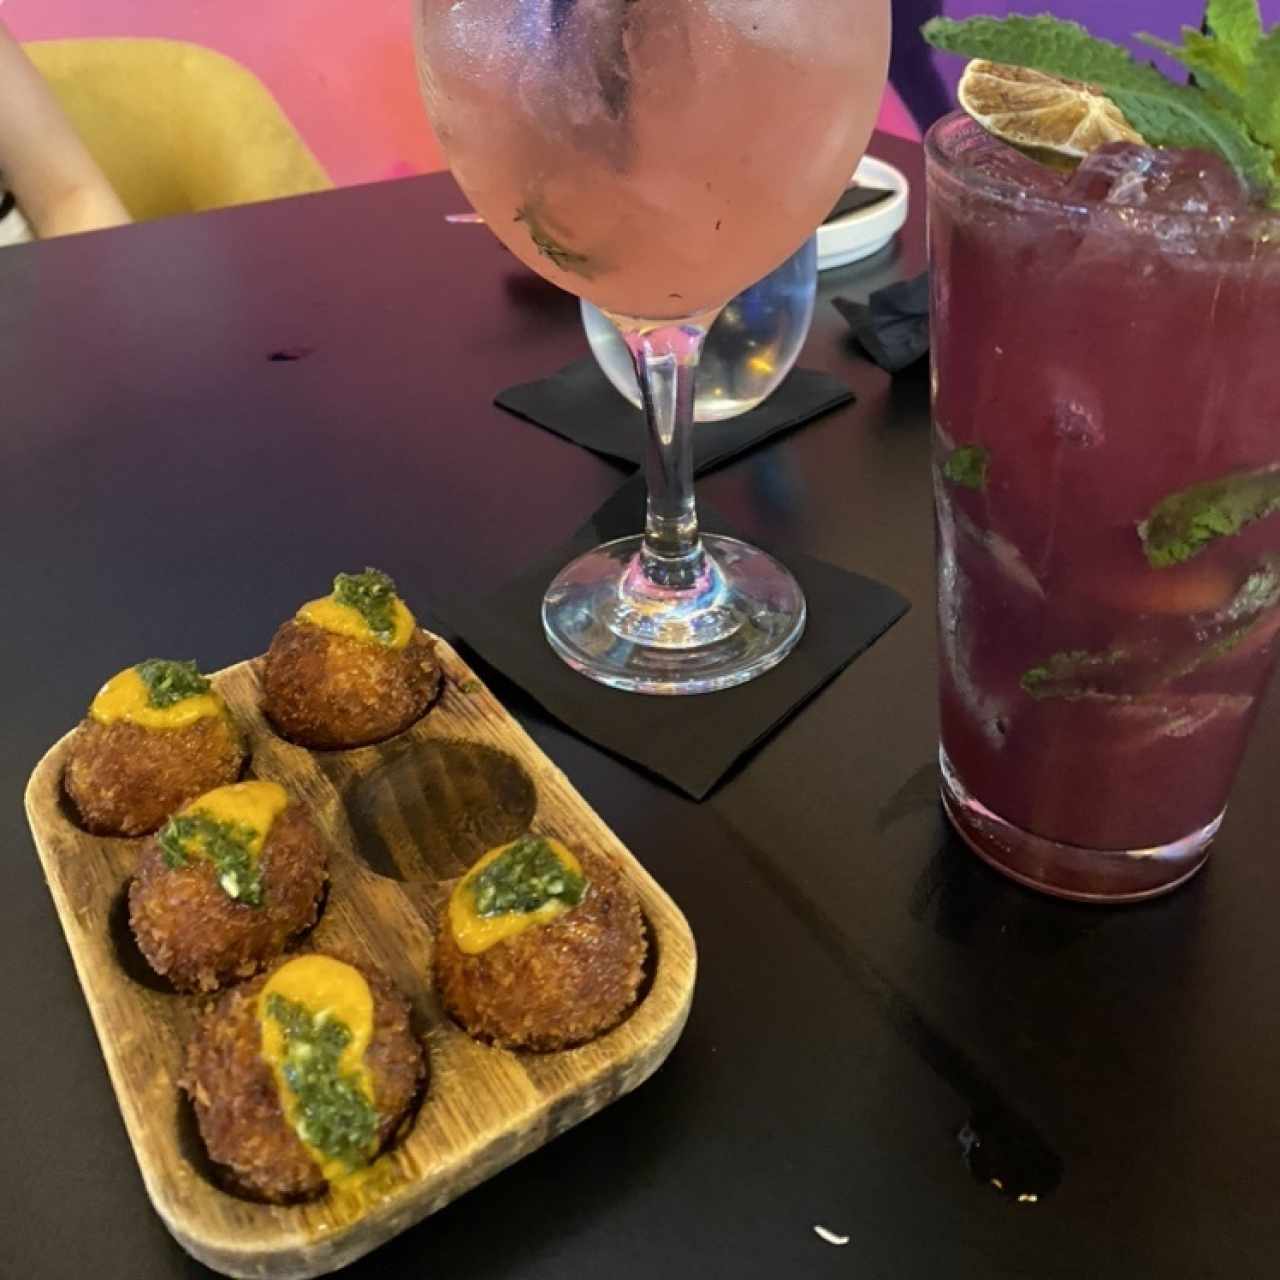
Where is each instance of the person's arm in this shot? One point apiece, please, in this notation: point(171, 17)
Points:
point(42, 160)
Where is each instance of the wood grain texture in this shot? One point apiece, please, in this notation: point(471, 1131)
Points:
point(404, 819)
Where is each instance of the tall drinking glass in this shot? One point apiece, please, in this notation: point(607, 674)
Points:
point(656, 157)
point(1107, 476)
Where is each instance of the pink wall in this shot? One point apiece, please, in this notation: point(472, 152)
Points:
point(342, 69)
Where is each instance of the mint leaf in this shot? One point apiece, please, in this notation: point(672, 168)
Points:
point(1076, 673)
point(1197, 123)
point(1166, 114)
point(1237, 23)
point(1262, 92)
point(967, 466)
point(1043, 43)
point(1216, 66)
point(1137, 674)
point(1182, 525)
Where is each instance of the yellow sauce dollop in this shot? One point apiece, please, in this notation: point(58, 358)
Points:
point(248, 804)
point(476, 933)
point(327, 988)
point(345, 620)
point(125, 697)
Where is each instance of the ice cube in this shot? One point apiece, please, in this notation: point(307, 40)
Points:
point(1077, 424)
point(1247, 624)
point(1111, 174)
point(1251, 640)
point(1162, 180)
point(1008, 165)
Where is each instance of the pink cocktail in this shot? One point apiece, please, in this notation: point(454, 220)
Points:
point(656, 157)
point(1107, 475)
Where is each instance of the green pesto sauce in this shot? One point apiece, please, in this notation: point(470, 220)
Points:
point(526, 877)
point(169, 682)
point(226, 844)
point(372, 594)
point(333, 1114)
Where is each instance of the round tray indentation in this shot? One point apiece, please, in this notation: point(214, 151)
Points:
point(449, 801)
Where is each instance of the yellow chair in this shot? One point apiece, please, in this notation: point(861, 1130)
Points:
point(176, 127)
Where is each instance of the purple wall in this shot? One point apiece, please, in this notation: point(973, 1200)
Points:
point(926, 80)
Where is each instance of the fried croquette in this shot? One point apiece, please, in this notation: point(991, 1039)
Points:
point(552, 982)
point(156, 735)
point(350, 669)
point(247, 1113)
point(206, 907)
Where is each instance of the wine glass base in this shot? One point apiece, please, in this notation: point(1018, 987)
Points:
point(743, 617)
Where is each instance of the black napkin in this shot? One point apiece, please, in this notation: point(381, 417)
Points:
point(857, 197)
point(692, 741)
point(582, 405)
point(893, 328)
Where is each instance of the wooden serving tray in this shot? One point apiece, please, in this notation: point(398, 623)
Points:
point(404, 819)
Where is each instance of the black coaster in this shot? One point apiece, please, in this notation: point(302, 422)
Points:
point(694, 741)
point(581, 404)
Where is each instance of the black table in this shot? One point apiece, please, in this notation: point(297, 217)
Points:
point(867, 988)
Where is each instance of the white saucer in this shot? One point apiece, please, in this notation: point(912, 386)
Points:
point(865, 231)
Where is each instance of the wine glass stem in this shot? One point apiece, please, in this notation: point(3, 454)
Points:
point(666, 362)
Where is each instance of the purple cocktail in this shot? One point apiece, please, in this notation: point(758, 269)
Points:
point(1107, 475)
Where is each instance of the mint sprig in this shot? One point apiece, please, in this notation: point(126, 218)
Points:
point(1165, 113)
point(1220, 58)
point(1235, 65)
point(1217, 66)
point(1236, 23)
point(1262, 92)
point(1184, 523)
